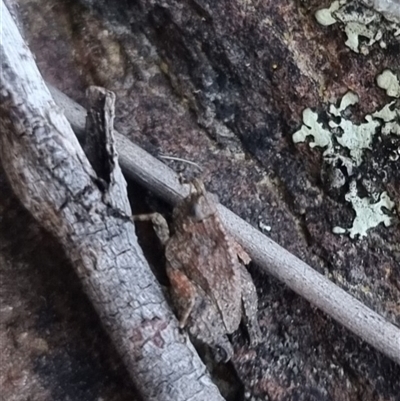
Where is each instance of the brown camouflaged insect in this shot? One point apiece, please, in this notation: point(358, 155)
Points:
point(210, 287)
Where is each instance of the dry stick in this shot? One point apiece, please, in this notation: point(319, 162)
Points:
point(272, 258)
point(52, 177)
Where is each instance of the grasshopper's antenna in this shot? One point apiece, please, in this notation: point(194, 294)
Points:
point(178, 159)
point(197, 183)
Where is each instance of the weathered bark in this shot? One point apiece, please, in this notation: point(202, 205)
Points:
point(53, 179)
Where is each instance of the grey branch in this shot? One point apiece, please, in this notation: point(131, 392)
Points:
point(268, 255)
point(54, 180)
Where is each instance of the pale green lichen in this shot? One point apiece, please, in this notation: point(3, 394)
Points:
point(358, 21)
point(368, 214)
point(391, 117)
point(389, 8)
point(341, 133)
point(324, 16)
point(355, 30)
point(392, 127)
point(313, 128)
point(389, 81)
point(356, 138)
point(348, 99)
point(387, 113)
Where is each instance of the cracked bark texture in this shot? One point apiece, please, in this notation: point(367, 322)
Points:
point(53, 179)
point(224, 84)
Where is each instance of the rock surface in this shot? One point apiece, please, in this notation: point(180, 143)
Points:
point(223, 84)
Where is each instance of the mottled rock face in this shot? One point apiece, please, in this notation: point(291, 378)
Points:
point(225, 84)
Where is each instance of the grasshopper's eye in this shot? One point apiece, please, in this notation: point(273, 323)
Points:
point(203, 207)
point(197, 212)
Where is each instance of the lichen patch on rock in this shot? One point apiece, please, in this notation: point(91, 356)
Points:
point(362, 25)
point(312, 127)
point(390, 82)
point(368, 214)
point(355, 137)
point(346, 142)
